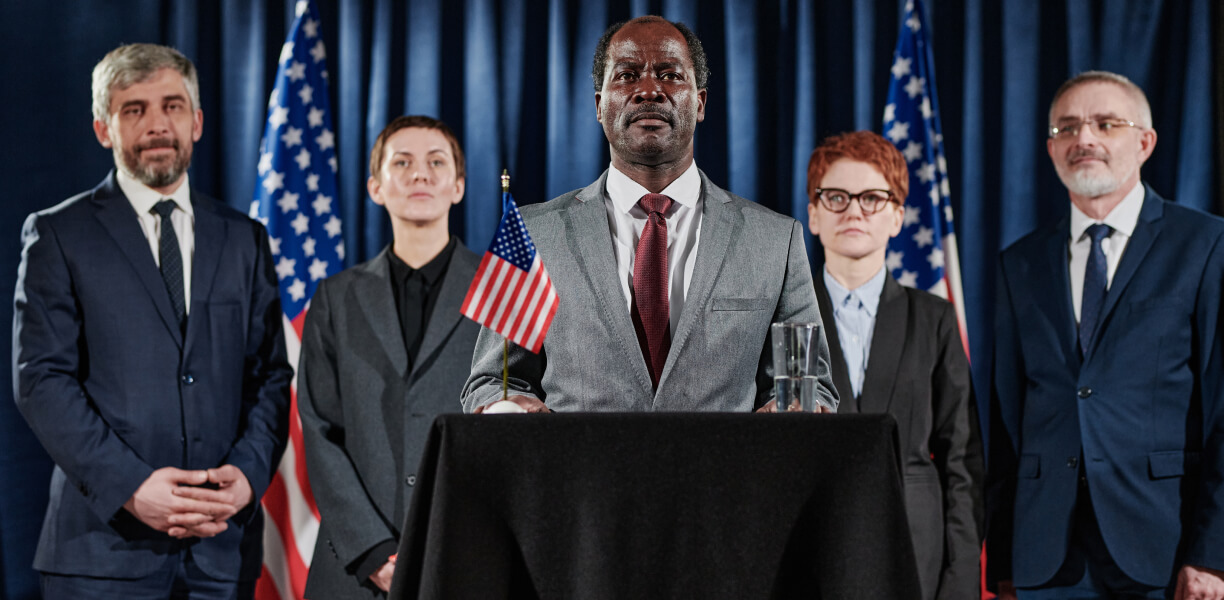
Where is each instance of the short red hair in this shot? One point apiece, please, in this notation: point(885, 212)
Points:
point(865, 147)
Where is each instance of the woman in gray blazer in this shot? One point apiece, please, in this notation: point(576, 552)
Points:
point(898, 350)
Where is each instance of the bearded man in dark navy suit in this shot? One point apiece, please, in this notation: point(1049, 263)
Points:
point(149, 358)
point(1106, 471)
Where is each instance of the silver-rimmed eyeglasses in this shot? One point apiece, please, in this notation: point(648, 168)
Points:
point(870, 201)
point(1103, 128)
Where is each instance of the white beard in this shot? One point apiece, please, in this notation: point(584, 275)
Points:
point(1081, 182)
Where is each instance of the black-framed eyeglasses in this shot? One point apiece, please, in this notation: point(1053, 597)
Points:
point(870, 201)
point(1102, 128)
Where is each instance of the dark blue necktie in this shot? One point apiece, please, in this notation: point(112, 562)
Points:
point(1093, 299)
point(171, 261)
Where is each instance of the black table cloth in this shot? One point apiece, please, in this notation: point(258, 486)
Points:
point(632, 505)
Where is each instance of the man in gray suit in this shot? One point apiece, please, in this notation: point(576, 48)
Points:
point(384, 350)
point(667, 283)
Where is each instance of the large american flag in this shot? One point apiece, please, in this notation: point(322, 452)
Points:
point(511, 293)
point(295, 197)
point(924, 255)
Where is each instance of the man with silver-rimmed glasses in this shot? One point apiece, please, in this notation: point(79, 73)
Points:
point(1106, 471)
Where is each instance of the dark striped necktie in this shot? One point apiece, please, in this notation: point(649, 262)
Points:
point(1095, 284)
point(171, 261)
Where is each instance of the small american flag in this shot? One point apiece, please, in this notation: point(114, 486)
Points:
point(512, 293)
point(295, 198)
point(924, 255)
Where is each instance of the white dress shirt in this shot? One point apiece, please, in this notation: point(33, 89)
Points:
point(854, 311)
point(143, 198)
point(626, 219)
point(1122, 219)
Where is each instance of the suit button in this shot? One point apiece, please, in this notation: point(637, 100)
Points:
point(410, 480)
point(1084, 392)
point(188, 379)
point(1072, 462)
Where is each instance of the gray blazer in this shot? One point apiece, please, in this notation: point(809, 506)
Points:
point(751, 270)
point(365, 415)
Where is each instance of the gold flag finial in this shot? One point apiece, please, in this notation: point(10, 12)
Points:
point(505, 177)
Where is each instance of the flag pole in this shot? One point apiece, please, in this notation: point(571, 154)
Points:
point(505, 181)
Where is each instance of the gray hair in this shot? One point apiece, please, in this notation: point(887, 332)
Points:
point(134, 63)
point(1145, 109)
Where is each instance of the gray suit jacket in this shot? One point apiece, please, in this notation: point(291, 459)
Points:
point(365, 414)
point(751, 270)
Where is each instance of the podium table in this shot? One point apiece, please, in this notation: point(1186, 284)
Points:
point(640, 505)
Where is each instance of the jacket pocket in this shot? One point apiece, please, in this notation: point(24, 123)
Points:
point(1171, 463)
point(741, 304)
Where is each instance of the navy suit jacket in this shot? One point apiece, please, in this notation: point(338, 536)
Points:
point(1145, 404)
point(114, 390)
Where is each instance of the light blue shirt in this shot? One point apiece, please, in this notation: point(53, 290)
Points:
point(854, 311)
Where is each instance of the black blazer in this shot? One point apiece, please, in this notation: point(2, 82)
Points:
point(366, 412)
point(917, 372)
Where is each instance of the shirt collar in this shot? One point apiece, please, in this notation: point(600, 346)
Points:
point(867, 295)
point(1121, 219)
point(432, 271)
point(625, 192)
point(144, 197)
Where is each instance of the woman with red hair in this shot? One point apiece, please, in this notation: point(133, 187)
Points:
point(898, 350)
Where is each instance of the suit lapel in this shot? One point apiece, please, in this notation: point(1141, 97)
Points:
point(210, 240)
point(378, 306)
point(1147, 229)
point(719, 224)
point(588, 220)
point(841, 373)
point(446, 313)
point(121, 223)
point(887, 344)
point(1049, 284)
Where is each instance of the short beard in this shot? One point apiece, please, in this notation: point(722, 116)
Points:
point(154, 175)
point(1089, 185)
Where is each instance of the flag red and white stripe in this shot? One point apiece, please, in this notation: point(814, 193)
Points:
point(511, 293)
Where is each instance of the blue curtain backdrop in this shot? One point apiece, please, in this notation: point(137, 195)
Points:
point(512, 77)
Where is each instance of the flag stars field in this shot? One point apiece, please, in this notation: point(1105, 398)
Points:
point(321, 205)
point(288, 201)
point(292, 137)
point(901, 68)
point(274, 181)
point(285, 267)
point(898, 132)
point(923, 255)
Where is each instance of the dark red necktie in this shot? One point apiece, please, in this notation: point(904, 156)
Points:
point(651, 311)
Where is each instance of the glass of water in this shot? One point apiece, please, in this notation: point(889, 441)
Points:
point(795, 347)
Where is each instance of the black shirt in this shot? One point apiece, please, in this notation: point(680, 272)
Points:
point(416, 293)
